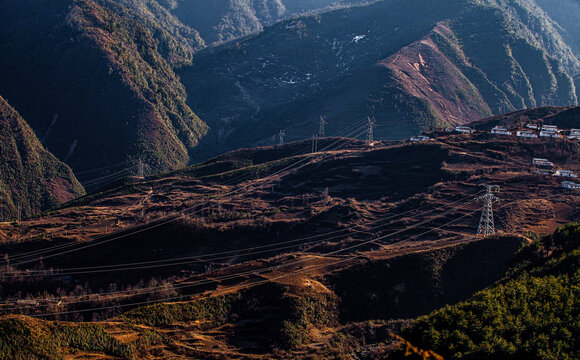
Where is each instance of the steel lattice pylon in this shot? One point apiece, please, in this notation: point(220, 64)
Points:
point(370, 130)
point(486, 223)
point(321, 124)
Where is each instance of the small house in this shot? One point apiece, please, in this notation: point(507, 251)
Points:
point(570, 185)
point(526, 134)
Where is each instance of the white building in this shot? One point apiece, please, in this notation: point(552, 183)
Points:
point(546, 172)
point(550, 134)
point(498, 130)
point(574, 134)
point(550, 128)
point(420, 138)
point(570, 185)
point(526, 134)
point(565, 173)
point(532, 126)
point(464, 129)
point(542, 162)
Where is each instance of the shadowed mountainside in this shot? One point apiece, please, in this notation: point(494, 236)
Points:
point(451, 62)
point(223, 20)
point(94, 80)
point(29, 175)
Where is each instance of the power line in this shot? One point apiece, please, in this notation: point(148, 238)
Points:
point(141, 291)
point(339, 250)
point(239, 252)
point(135, 230)
point(166, 220)
point(256, 272)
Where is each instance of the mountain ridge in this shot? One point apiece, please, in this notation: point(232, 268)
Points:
point(298, 69)
point(31, 178)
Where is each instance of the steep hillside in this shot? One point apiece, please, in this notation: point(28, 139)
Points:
point(450, 62)
point(533, 314)
point(94, 80)
point(565, 13)
point(30, 177)
point(224, 20)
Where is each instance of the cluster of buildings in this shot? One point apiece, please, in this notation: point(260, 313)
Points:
point(552, 131)
point(531, 131)
point(542, 166)
point(546, 167)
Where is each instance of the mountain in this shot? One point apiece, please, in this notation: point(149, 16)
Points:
point(115, 83)
point(30, 177)
point(565, 13)
point(224, 20)
point(269, 253)
point(95, 80)
point(450, 62)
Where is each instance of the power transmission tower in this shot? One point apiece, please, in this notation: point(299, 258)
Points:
point(140, 168)
point(314, 143)
point(19, 212)
point(282, 135)
point(321, 124)
point(486, 224)
point(370, 130)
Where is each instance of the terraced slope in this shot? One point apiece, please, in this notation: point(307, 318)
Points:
point(30, 177)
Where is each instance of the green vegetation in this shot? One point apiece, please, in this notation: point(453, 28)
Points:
point(286, 317)
point(532, 315)
point(308, 309)
point(30, 175)
point(215, 309)
point(110, 89)
point(22, 338)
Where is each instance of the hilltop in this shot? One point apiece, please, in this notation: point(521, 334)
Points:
point(111, 84)
point(226, 20)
